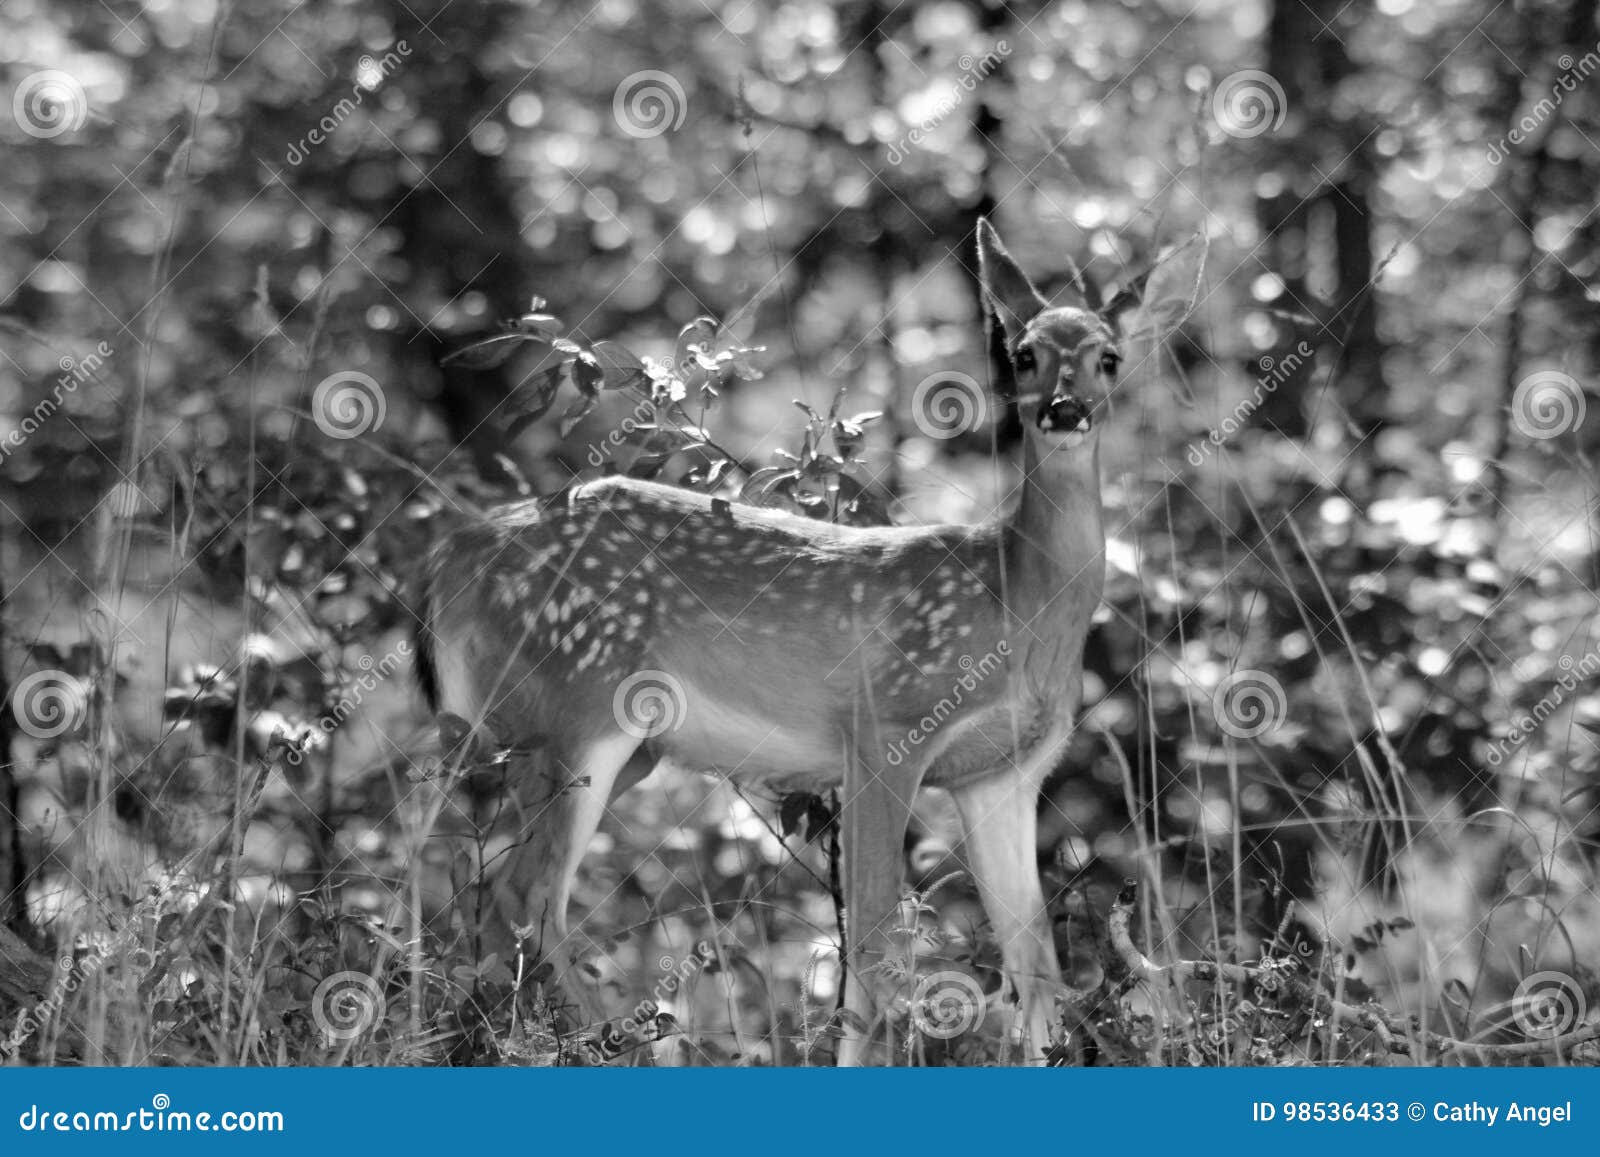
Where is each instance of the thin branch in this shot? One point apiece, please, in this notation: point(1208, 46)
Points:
point(1395, 1034)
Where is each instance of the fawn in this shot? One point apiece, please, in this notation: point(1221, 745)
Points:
point(635, 622)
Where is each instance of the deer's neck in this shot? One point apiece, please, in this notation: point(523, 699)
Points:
point(1055, 541)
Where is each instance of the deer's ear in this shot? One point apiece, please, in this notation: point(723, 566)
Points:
point(1006, 288)
point(1163, 296)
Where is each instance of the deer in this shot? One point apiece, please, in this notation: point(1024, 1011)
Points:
point(633, 623)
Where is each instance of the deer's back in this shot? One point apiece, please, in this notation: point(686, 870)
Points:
point(775, 628)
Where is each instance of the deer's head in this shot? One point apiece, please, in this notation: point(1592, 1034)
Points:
point(1066, 356)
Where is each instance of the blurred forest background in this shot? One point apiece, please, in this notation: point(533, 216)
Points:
point(1344, 691)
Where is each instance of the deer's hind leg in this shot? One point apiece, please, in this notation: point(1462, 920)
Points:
point(558, 809)
point(875, 811)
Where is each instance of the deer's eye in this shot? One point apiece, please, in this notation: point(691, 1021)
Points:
point(1109, 361)
point(1026, 361)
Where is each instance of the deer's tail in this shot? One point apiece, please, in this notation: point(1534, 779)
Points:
point(422, 640)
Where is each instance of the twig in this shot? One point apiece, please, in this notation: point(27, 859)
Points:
point(1395, 1034)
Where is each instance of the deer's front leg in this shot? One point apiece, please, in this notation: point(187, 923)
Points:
point(1001, 819)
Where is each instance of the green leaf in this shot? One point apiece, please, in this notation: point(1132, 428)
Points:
point(587, 374)
point(576, 413)
point(487, 353)
point(539, 324)
point(619, 366)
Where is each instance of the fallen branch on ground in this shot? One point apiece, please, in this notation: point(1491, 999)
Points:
point(1395, 1033)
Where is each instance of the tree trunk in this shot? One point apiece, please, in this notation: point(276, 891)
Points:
point(13, 871)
